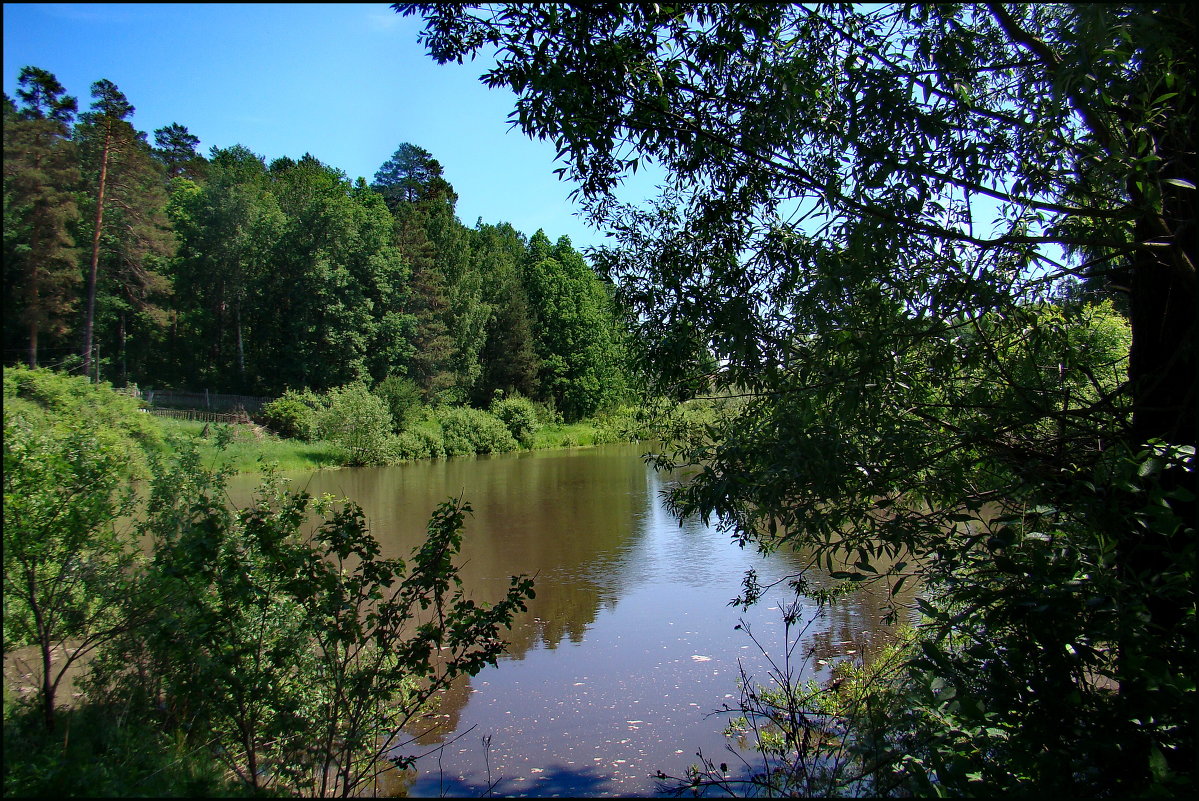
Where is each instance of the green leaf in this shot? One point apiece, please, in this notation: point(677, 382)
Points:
point(1158, 765)
point(934, 654)
point(1151, 466)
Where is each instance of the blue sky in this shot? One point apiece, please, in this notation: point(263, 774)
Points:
point(345, 82)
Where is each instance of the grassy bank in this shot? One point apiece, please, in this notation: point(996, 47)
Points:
point(305, 431)
point(248, 447)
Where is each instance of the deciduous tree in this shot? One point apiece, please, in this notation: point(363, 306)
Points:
point(508, 357)
point(580, 356)
point(66, 556)
point(228, 228)
point(864, 207)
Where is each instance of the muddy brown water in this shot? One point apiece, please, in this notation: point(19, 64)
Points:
point(615, 670)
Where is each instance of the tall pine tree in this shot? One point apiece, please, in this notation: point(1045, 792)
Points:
point(40, 174)
point(130, 233)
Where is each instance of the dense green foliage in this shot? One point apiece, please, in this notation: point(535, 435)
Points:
point(160, 267)
point(64, 556)
point(234, 649)
point(465, 431)
point(869, 241)
point(402, 398)
point(294, 414)
point(40, 166)
point(356, 421)
point(54, 400)
point(520, 416)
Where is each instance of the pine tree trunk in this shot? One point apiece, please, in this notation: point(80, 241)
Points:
point(241, 348)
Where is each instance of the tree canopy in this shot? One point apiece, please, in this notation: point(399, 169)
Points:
point(227, 273)
point(884, 239)
point(961, 139)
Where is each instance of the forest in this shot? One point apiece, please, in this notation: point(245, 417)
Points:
point(383, 328)
point(917, 300)
point(151, 264)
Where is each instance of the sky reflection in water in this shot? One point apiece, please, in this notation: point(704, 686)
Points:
point(629, 646)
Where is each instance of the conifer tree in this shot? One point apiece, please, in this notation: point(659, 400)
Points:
point(131, 235)
point(40, 174)
point(176, 151)
point(106, 128)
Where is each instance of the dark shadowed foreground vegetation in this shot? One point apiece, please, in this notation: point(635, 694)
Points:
point(230, 650)
point(918, 243)
point(918, 296)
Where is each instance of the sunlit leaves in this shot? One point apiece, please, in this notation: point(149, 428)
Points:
point(291, 648)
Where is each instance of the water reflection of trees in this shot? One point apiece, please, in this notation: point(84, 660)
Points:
point(555, 515)
point(578, 521)
point(566, 517)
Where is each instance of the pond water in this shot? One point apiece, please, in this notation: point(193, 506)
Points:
point(615, 670)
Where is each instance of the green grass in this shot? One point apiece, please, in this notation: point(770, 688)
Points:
point(250, 446)
point(566, 435)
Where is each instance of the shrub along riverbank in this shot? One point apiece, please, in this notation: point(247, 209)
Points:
point(247, 448)
point(226, 651)
point(387, 424)
point(347, 426)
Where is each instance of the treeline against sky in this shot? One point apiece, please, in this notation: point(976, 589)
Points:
point(149, 263)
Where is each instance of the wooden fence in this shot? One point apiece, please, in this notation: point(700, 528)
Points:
point(198, 401)
point(202, 416)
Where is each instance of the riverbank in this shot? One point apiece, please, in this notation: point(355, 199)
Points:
point(247, 448)
point(46, 400)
